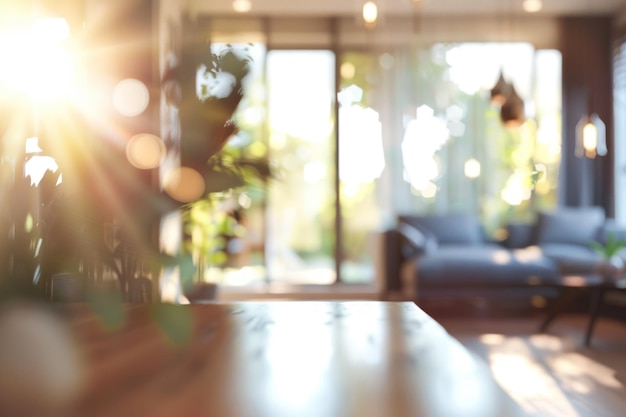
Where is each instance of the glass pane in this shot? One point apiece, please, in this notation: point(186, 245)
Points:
point(548, 98)
point(361, 163)
point(300, 208)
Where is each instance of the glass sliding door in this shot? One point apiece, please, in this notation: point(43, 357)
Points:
point(300, 215)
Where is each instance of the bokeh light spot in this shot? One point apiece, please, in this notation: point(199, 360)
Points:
point(184, 184)
point(130, 97)
point(347, 70)
point(472, 168)
point(145, 151)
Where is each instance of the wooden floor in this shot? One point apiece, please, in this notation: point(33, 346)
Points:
point(551, 374)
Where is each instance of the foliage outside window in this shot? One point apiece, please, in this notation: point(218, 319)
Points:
point(454, 128)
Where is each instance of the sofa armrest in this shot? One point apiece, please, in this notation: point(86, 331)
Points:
point(392, 260)
point(415, 241)
point(403, 243)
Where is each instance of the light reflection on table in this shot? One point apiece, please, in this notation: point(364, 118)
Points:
point(326, 359)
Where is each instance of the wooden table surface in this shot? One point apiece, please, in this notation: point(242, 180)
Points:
point(286, 359)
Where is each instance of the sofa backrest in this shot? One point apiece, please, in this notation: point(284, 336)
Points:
point(564, 225)
point(449, 229)
point(572, 225)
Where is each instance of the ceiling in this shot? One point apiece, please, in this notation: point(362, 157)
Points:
point(400, 7)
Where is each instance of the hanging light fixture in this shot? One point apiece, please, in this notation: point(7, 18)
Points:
point(532, 6)
point(242, 6)
point(511, 104)
point(590, 137)
point(512, 111)
point(590, 129)
point(500, 91)
point(502, 87)
point(370, 14)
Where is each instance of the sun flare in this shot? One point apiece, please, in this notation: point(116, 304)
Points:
point(38, 61)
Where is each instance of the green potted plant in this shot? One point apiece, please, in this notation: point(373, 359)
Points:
point(61, 226)
point(612, 265)
point(205, 229)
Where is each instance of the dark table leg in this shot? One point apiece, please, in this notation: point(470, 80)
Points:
point(566, 299)
point(597, 294)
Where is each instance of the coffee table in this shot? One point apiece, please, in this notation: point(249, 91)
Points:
point(573, 287)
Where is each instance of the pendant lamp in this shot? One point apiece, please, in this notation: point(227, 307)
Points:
point(370, 14)
point(532, 6)
point(512, 111)
point(500, 91)
point(590, 137)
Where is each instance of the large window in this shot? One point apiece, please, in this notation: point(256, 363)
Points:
point(407, 129)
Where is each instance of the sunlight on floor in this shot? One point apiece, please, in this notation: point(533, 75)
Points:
point(544, 387)
point(579, 370)
point(526, 381)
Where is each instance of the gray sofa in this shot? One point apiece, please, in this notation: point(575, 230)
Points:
point(451, 252)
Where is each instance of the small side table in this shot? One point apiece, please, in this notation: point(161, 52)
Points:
point(574, 287)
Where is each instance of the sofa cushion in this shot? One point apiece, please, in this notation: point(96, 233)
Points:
point(450, 229)
point(572, 259)
point(485, 265)
point(580, 225)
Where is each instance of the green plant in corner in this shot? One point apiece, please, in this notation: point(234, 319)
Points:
point(206, 229)
point(611, 248)
point(59, 227)
point(613, 264)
